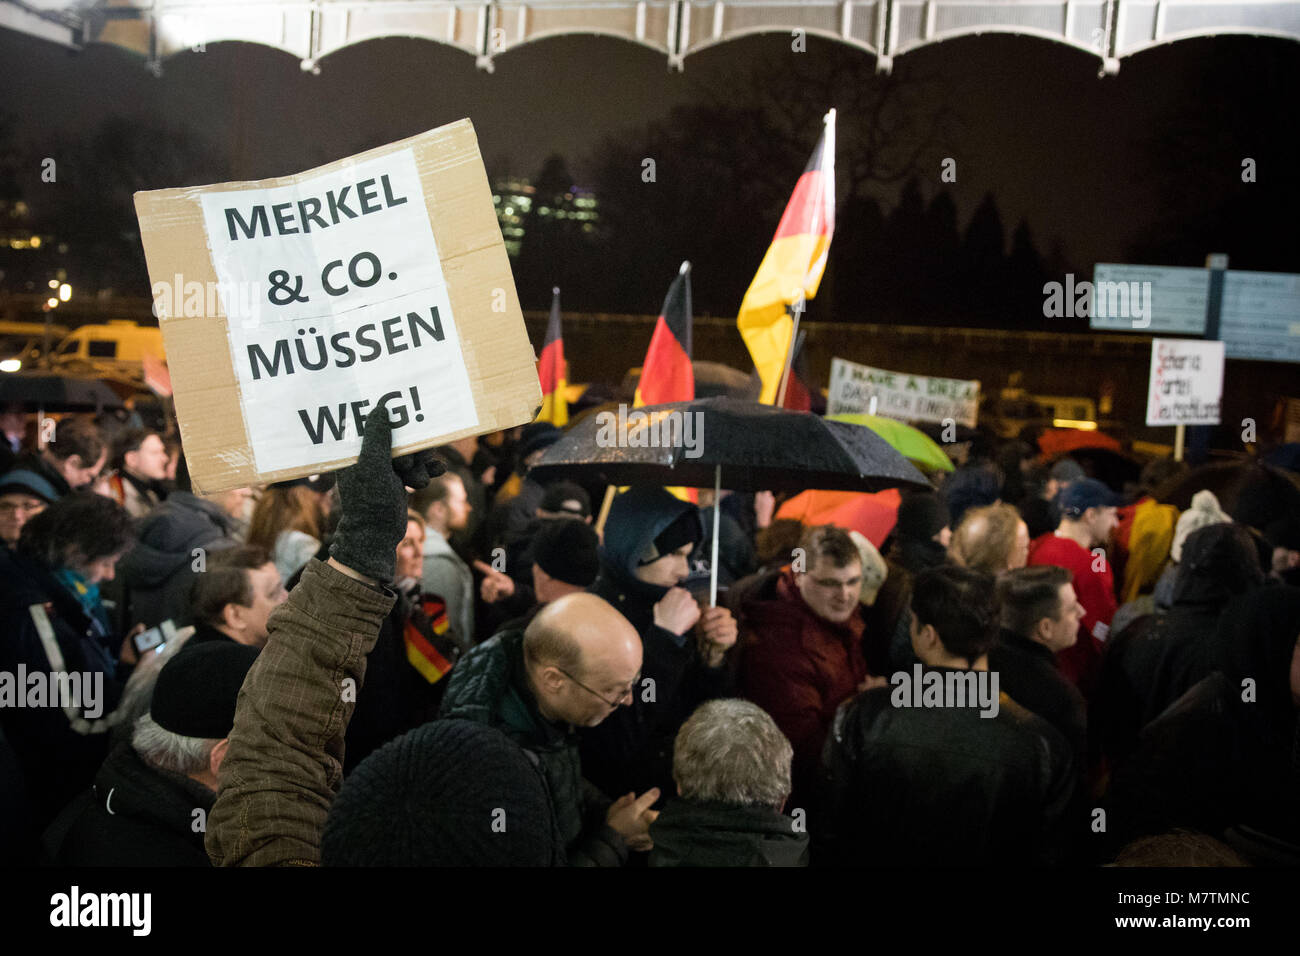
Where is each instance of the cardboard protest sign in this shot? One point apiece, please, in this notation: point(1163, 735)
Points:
point(920, 398)
point(378, 277)
point(1186, 382)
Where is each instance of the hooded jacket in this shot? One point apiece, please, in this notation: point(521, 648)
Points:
point(631, 750)
point(1156, 660)
point(159, 571)
point(1214, 761)
point(135, 815)
point(708, 833)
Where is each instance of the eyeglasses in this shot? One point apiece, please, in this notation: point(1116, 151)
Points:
point(631, 689)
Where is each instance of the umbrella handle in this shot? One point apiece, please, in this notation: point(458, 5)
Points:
point(713, 563)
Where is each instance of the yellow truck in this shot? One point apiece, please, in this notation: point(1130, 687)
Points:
point(113, 350)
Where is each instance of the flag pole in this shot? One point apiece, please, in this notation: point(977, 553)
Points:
point(797, 309)
point(604, 511)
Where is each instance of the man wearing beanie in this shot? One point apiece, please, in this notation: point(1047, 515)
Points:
point(509, 593)
point(151, 798)
point(1088, 516)
point(562, 558)
point(649, 535)
point(1203, 512)
point(23, 495)
point(449, 793)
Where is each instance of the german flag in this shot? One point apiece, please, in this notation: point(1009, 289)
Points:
point(797, 396)
point(552, 371)
point(793, 266)
point(666, 373)
point(421, 652)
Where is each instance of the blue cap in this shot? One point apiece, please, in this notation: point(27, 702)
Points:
point(1086, 493)
point(22, 481)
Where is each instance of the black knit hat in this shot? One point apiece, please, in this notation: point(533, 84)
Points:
point(536, 436)
point(197, 689)
point(567, 497)
point(921, 515)
point(449, 793)
point(567, 550)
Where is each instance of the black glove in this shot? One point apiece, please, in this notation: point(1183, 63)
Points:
point(373, 497)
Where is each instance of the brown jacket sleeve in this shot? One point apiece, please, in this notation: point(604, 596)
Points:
point(285, 761)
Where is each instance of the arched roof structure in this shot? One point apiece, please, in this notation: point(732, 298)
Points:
point(312, 29)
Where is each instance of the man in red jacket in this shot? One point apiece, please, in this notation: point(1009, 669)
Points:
point(802, 651)
point(1088, 514)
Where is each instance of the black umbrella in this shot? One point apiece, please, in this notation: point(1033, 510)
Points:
point(1252, 492)
point(46, 391)
point(759, 447)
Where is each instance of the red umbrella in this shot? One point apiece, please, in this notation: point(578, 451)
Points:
point(1059, 441)
point(873, 514)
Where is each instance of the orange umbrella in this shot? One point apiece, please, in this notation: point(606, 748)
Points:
point(873, 514)
point(1057, 441)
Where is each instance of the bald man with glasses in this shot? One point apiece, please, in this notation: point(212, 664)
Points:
point(578, 661)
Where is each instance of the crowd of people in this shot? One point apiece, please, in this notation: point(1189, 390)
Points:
point(441, 660)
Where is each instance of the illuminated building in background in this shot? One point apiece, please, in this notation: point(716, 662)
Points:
point(514, 200)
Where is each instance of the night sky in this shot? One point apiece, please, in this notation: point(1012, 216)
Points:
point(1056, 144)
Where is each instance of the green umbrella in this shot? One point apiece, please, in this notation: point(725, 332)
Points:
point(907, 441)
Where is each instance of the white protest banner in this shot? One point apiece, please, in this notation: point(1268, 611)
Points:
point(921, 398)
point(382, 277)
point(1186, 385)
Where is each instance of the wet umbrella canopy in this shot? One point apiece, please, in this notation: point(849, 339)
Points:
point(36, 391)
point(758, 447)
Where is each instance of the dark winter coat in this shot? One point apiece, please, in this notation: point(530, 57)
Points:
point(1028, 673)
point(135, 815)
point(1214, 761)
point(159, 571)
point(396, 697)
point(1157, 659)
point(706, 833)
point(632, 749)
point(59, 759)
point(944, 786)
point(489, 685)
